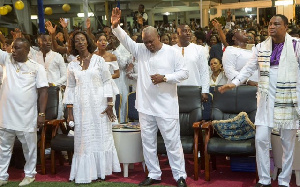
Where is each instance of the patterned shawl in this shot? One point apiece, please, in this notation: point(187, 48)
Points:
point(286, 105)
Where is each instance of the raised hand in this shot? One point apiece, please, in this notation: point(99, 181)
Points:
point(16, 34)
point(115, 17)
point(88, 23)
point(63, 23)
point(50, 28)
point(216, 24)
point(226, 87)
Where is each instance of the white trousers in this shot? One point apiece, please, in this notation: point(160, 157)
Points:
point(29, 145)
point(262, 145)
point(170, 131)
point(60, 113)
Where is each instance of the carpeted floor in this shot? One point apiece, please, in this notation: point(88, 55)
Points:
point(222, 177)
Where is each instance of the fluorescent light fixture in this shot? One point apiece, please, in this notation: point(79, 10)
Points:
point(81, 15)
point(167, 13)
point(34, 17)
point(278, 3)
point(248, 9)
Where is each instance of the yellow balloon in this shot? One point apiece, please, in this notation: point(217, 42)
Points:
point(66, 7)
point(9, 8)
point(48, 10)
point(3, 11)
point(19, 5)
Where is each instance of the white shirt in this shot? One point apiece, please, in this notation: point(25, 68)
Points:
point(157, 100)
point(196, 62)
point(221, 79)
point(234, 59)
point(18, 96)
point(265, 107)
point(55, 67)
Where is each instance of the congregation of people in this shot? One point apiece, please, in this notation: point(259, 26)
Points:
point(92, 68)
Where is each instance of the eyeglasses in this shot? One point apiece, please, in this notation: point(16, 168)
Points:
point(237, 30)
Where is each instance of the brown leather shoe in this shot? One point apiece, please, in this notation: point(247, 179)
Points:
point(148, 181)
point(262, 185)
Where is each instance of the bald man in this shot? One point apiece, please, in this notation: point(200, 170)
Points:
point(24, 88)
point(160, 68)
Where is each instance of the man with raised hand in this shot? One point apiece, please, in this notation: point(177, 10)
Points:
point(160, 68)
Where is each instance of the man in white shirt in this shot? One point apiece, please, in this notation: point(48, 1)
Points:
point(55, 66)
point(160, 68)
point(24, 88)
point(196, 61)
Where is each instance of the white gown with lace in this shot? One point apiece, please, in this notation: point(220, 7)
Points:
point(124, 58)
point(94, 151)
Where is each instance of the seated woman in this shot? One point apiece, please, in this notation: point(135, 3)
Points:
point(217, 74)
point(89, 98)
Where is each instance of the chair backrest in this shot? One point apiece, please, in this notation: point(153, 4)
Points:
point(190, 108)
point(118, 105)
point(52, 103)
point(132, 113)
point(232, 102)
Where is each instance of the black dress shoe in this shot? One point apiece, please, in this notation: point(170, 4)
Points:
point(148, 181)
point(181, 182)
point(262, 185)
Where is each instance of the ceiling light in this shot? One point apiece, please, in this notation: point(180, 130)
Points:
point(81, 15)
point(34, 17)
point(278, 3)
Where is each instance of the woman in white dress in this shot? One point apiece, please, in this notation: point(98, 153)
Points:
point(236, 57)
point(89, 95)
point(111, 61)
point(217, 76)
point(109, 58)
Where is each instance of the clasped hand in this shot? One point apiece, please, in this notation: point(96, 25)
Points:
point(157, 78)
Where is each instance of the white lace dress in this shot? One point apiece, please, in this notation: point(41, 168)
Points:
point(112, 67)
point(124, 58)
point(94, 151)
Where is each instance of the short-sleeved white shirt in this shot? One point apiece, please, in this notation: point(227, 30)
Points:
point(19, 95)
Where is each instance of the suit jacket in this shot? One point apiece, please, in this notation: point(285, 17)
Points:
point(216, 52)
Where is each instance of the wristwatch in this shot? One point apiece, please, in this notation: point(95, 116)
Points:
point(165, 78)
